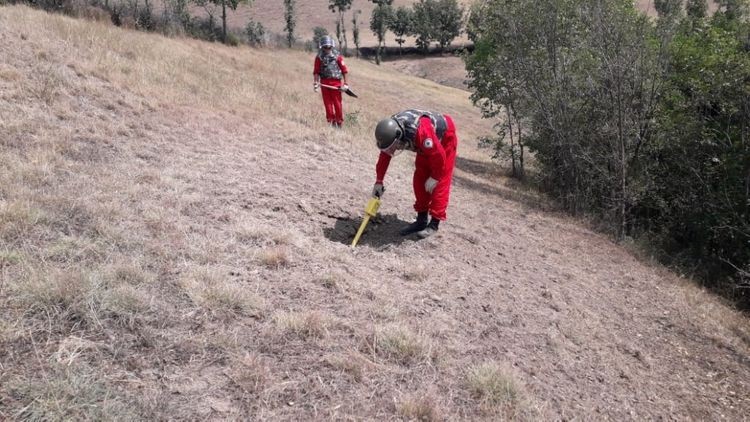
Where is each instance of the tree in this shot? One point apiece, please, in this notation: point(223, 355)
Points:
point(583, 78)
point(733, 9)
point(696, 9)
point(209, 6)
point(291, 21)
point(700, 202)
point(255, 33)
point(355, 30)
point(422, 24)
point(436, 20)
point(667, 8)
point(318, 33)
point(401, 24)
point(381, 16)
point(232, 4)
point(447, 21)
point(177, 10)
point(340, 7)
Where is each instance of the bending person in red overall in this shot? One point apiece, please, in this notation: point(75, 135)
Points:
point(330, 70)
point(433, 137)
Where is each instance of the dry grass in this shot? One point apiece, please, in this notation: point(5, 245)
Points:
point(398, 343)
point(130, 273)
point(17, 218)
point(258, 235)
point(9, 257)
point(77, 299)
point(57, 293)
point(214, 293)
point(416, 273)
point(305, 325)
point(250, 373)
point(352, 363)
point(70, 392)
point(423, 408)
point(126, 305)
point(275, 257)
point(49, 83)
point(495, 388)
point(334, 281)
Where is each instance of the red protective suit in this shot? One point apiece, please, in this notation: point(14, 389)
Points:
point(434, 159)
point(332, 97)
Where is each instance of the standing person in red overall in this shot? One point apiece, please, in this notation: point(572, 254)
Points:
point(330, 70)
point(433, 137)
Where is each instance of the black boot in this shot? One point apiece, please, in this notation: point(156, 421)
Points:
point(416, 226)
point(431, 229)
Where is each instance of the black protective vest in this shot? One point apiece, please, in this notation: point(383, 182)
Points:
point(329, 67)
point(409, 119)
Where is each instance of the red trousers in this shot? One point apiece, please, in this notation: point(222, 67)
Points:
point(437, 202)
point(332, 101)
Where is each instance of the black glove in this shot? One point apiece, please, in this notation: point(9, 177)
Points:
point(377, 190)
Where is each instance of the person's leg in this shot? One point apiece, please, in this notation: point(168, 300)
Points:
point(441, 193)
point(421, 174)
point(422, 202)
point(338, 108)
point(328, 104)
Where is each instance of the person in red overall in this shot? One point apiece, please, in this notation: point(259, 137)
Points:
point(329, 69)
point(433, 137)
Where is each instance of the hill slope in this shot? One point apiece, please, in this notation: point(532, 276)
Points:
point(174, 228)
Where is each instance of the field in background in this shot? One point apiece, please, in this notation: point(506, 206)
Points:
point(174, 226)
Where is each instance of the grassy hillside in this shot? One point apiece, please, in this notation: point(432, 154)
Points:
point(174, 227)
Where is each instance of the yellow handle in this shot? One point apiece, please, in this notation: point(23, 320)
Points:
point(371, 209)
point(361, 230)
point(372, 206)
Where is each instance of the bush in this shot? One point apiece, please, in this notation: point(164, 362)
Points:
point(642, 125)
point(232, 40)
point(256, 33)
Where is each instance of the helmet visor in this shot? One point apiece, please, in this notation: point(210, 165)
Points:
point(396, 146)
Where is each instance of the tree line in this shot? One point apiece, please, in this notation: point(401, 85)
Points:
point(642, 124)
point(429, 22)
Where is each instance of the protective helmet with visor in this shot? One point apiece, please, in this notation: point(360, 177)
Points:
point(326, 41)
point(388, 134)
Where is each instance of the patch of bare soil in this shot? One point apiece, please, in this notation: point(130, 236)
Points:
point(445, 70)
point(176, 261)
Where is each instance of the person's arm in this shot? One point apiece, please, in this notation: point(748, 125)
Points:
point(316, 71)
point(382, 167)
point(427, 142)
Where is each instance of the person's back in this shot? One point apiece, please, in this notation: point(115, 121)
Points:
point(433, 137)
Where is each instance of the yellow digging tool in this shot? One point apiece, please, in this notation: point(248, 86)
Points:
point(371, 209)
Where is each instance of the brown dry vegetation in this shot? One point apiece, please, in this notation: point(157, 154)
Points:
point(174, 227)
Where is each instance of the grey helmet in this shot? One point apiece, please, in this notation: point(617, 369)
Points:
point(326, 41)
point(386, 132)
